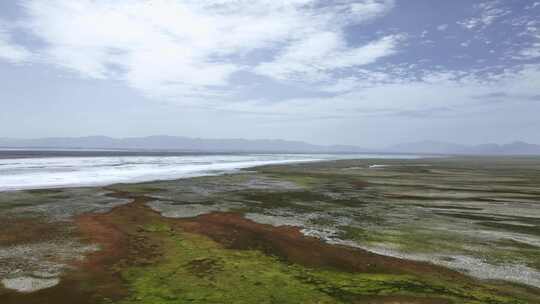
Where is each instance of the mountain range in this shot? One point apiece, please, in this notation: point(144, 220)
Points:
point(438, 147)
point(175, 143)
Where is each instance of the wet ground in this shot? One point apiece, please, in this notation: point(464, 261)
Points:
point(448, 230)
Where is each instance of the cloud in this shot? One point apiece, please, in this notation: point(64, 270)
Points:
point(532, 51)
point(183, 49)
point(342, 85)
point(426, 112)
point(436, 95)
point(442, 27)
point(489, 12)
point(315, 57)
point(10, 51)
point(505, 97)
point(534, 97)
point(494, 95)
point(533, 5)
point(529, 33)
point(197, 52)
point(363, 10)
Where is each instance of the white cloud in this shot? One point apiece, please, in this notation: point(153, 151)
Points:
point(342, 85)
point(533, 6)
point(368, 9)
point(532, 32)
point(169, 48)
point(189, 50)
point(10, 51)
point(446, 92)
point(489, 12)
point(315, 57)
point(531, 52)
point(442, 27)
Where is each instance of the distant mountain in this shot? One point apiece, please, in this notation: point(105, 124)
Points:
point(187, 144)
point(436, 147)
point(176, 144)
point(428, 146)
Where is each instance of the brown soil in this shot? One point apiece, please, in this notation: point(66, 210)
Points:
point(17, 231)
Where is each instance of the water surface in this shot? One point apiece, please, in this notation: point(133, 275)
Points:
point(32, 169)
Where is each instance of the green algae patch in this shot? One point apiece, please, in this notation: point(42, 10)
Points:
point(141, 188)
point(156, 227)
point(284, 198)
point(306, 181)
point(195, 269)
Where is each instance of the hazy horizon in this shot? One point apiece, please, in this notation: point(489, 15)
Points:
point(427, 140)
point(369, 73)
point(165, 143)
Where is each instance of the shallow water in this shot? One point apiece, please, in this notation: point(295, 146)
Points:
point(49, 171)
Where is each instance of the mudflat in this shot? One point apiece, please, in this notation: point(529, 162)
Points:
point(440, 230)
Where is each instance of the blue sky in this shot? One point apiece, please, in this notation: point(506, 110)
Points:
point(367, 72)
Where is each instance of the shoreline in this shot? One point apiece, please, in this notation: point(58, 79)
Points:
point(181, 173)
point(60, 172)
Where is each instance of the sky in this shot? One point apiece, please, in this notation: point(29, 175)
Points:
point(370, 73)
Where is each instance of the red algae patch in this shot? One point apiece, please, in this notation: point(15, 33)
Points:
point(97, 229)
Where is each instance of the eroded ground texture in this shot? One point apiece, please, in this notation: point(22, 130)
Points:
point(442, 230)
